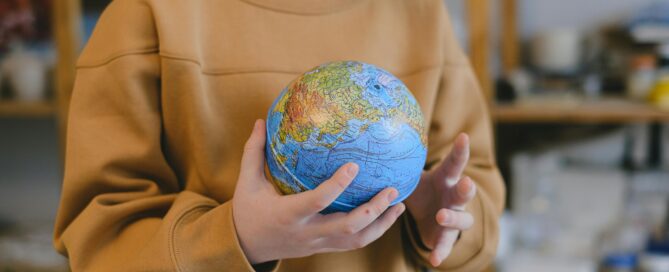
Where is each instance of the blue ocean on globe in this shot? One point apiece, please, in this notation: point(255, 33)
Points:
point(342, 112)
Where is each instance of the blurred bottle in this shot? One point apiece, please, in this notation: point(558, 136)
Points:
point(539, 223)
point(622, 242)
point(25, 73)
point(641, 76)
point(656, 256)
point(654, 261)
point(659, 95)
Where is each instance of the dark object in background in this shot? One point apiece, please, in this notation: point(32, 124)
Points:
point(614, 84)
point(96, 6)
point(6, 226)
point(24, 20)
point(651, 138)
point(609, 56)
point(655, 146)
point(504, 91)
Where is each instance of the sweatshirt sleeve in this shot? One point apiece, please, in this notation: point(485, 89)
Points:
point(122, 207)
point(460, 106)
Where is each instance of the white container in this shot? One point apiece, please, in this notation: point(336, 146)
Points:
point(557, 51)
point(641, 77)
point(654, 263)
point(26, 75)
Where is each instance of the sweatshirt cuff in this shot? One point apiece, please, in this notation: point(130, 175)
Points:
point(263, 267)
point(205, 238)
point(474, 249)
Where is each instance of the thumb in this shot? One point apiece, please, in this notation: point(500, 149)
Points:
point(253, 160)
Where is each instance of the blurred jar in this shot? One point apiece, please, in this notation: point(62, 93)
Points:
point(624, 239)
point(656, 256)
point(539, 224)
point(659, 95)
point(641, 77)
point(557, 51)
point(650, 262)
point(26, 74)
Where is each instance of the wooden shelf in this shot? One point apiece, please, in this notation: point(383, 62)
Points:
point(608, 110)
point(27, 109)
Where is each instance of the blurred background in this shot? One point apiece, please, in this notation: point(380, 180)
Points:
point(579, 97)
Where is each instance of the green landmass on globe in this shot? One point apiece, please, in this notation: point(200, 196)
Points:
point(343, 112)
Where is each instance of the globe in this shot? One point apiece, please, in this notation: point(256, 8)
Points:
point(340, 112)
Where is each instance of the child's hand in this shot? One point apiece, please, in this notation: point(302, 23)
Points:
point(438, 203)
point(271, 226)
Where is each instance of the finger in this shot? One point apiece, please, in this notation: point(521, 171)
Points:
point(443, 247)
point(379, 227)
point(362, 216)
point(461, 194)
point(370, 233)
point(253, 159)
point(316, 200)
point(454, 219)
point(451, 168)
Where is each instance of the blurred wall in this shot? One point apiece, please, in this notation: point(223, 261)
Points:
point(538, 15)
point(29, 171)
point(541, 15)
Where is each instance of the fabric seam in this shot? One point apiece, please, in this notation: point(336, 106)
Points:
point(298, 13)
point(174, 252)
point(241, 71)
point(115, 56)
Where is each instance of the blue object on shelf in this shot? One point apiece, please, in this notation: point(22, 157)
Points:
point(620, 260)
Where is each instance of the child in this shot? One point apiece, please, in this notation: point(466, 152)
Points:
point(161, 173)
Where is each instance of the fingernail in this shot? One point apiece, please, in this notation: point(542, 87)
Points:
point(256, 125)
point(448, 219)
point(464, 141)
point(401, 209)
point(392, 195)
point(352, 170)
point(451, 181)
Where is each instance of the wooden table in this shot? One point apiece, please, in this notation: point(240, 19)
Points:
point(13, 109)
point(606, 110)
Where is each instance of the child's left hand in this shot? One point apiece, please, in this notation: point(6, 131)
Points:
point(437, 205)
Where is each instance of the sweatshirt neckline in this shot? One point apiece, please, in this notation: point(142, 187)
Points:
point(306, 7)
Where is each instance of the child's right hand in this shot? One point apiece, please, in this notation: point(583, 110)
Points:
point(271, 226)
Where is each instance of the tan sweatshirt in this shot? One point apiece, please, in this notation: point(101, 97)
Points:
point(167, 92)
